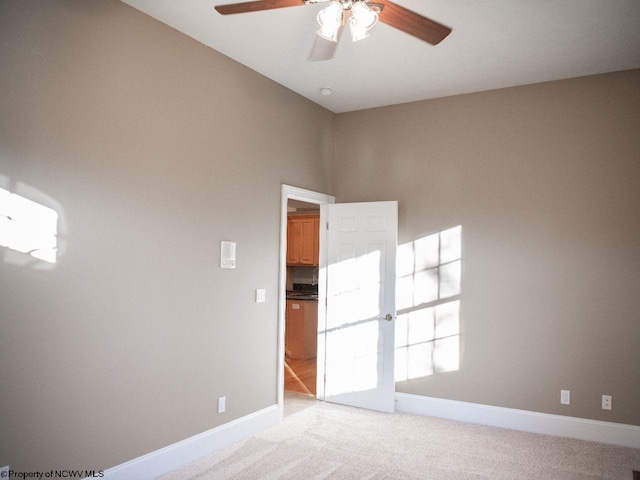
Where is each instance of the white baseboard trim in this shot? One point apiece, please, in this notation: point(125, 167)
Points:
point(174, 456)
point(545, 423)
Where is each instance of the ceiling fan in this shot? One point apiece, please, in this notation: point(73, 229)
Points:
point(361, 15)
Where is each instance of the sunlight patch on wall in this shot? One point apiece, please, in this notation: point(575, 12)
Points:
point(427, 336)
point(28, 227)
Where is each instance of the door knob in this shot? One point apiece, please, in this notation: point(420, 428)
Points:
point(388, 317)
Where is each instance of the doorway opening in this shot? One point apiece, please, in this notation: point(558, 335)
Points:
point(305, 286)
point(355, 300)
point(301, 312)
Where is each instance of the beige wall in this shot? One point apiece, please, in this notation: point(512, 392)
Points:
point(545, 181)
point(156, 148)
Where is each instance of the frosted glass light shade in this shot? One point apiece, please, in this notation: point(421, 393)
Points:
point(362, 20)
point(330, 21)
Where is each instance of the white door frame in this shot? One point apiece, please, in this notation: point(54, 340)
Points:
point(309, 196)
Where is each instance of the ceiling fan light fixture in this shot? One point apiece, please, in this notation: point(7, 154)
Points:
point(362, 20)
point(330, 21)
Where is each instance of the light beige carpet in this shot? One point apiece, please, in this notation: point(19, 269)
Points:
point(333, 442)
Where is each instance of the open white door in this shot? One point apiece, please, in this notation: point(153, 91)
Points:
point(359, 331)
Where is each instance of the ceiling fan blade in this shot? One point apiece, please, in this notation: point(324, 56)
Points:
point(324, 49)
point(412, 23)
point(257, 6)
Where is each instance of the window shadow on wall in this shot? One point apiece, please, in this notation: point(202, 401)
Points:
point(427, 336)
point(31, 224)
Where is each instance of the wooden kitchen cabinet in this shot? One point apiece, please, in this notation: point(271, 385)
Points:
point(303, 240)
point(301, 330)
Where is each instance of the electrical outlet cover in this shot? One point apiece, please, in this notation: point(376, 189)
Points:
point(565, 397)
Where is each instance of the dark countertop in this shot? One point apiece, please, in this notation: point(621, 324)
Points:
point(302, 296)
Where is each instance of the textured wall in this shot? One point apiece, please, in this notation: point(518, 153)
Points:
point(153, 148)
point(545, 182)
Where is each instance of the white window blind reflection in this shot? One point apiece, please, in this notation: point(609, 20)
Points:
point(28, 227)
point(428, 288)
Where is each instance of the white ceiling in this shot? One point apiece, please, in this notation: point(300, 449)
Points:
point(494, 44)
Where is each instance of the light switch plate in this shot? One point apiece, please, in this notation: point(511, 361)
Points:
point(261, 295)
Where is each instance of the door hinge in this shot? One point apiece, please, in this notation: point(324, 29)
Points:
point(327, 225)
